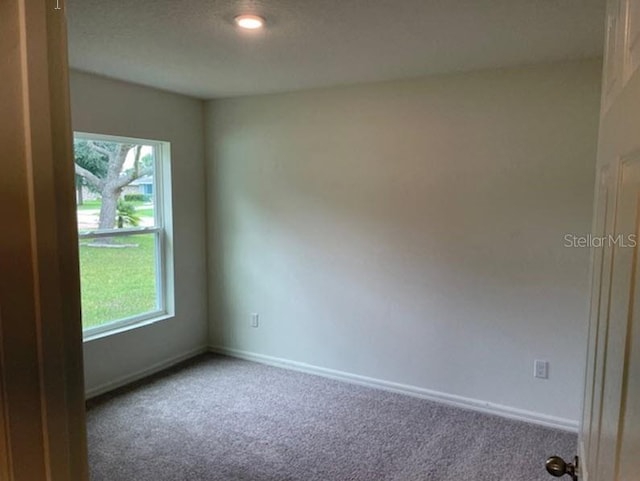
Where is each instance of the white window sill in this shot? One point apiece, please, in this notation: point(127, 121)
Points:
point(119, 329)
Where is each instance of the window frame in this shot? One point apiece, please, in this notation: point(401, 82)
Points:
point(162, 231)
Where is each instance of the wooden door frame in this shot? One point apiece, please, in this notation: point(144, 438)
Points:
point(42, 415)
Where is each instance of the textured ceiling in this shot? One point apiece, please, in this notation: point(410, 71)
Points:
point(192, 47)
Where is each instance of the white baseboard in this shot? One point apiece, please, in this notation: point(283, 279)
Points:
point(450, 399)
point(582, 464)
point(129, 378)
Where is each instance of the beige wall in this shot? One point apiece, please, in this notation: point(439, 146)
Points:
point(104, 106)
point(411, 231)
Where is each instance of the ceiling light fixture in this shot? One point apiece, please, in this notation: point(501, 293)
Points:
point(249, 22)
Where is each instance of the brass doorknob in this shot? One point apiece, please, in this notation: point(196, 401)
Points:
point(556, 466)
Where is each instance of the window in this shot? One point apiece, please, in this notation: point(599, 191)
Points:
point(124, 212)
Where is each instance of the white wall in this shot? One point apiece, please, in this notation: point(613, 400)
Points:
point(106, 106)
point(411, 231)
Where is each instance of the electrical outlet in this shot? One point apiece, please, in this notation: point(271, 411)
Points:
point(541, 369)
point(255, 320)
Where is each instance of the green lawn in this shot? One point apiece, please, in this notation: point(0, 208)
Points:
point(117, 282)
point(146, 212)
point(95, 205)
point(90, 205)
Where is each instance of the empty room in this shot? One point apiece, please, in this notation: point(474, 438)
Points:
point(320, 240)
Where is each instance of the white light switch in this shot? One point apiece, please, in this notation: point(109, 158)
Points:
point(541, 369)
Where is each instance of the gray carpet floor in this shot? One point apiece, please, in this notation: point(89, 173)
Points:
point(217, 418)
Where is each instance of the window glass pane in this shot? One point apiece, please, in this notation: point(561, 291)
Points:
point(116, 189)
point(115, 184)
point(118, 278)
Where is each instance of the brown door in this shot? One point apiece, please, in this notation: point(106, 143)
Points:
point(42, 430)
